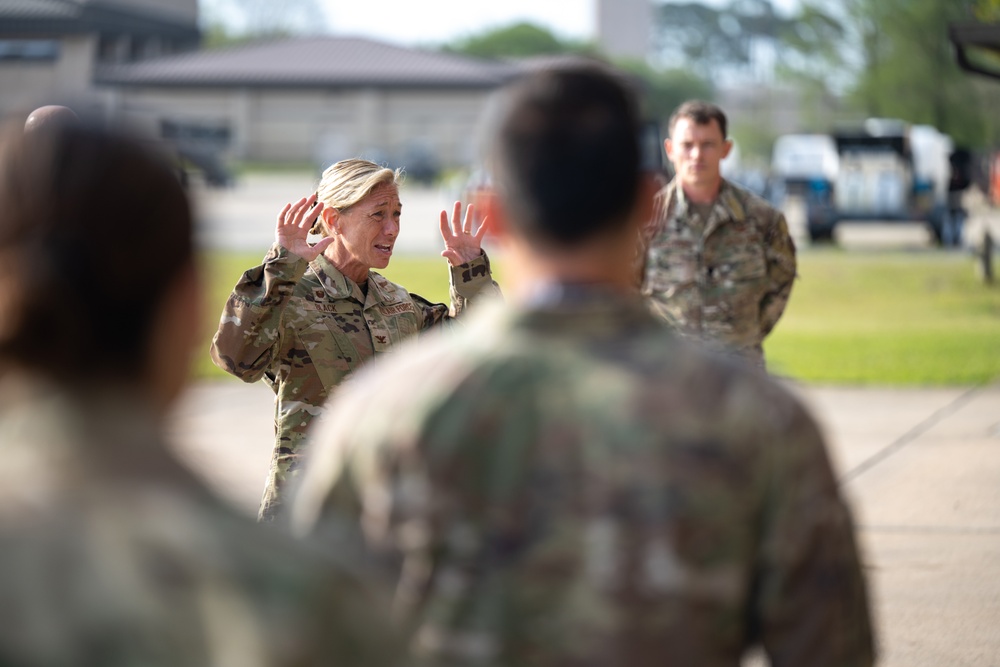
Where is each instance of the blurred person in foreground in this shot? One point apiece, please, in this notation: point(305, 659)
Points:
point(564, 482)
point(311, 314)
point(111, 553)
point(718, 260)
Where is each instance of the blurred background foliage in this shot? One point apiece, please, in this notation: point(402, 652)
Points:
point(845, 60)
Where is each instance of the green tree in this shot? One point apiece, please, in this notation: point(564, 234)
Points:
point(662, 89)
point(665, 89)
point(716, 40)
point(812, 47)
point(518, 40)
point(909, 71)
point(889, 58)
point(987, 11)
point(227, 22)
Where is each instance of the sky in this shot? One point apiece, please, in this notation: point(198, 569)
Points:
point(437, 21)
point(427, 22)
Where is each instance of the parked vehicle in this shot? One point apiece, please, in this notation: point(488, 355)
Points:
point(805, 166)
point(882, 169)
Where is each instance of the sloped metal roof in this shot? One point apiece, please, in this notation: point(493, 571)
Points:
point(310, 62)
point(19, 10)
point(48, 17)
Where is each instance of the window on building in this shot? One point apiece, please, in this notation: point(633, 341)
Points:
point(114, 48)
point(29, 49)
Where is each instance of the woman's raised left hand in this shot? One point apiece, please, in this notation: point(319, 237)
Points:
point(461, 243)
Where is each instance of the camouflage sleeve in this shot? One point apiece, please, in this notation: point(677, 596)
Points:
point(648, 230)
point(780, 255)
point(249, 334)
point(468, 282)
point(810, 604)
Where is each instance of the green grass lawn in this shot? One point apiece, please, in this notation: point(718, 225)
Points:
point(877, 318)
point(919, 318)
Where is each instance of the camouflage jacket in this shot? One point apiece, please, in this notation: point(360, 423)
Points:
point(114, 555)
point(724, 280)
point(304, 327)
point(569, 484)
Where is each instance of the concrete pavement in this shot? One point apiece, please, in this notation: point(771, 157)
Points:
point(921, 468)
point(242, 217)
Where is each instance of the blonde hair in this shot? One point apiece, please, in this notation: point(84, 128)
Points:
point(347, 182)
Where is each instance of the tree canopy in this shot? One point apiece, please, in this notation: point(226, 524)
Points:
point(717, 41)
point(906, 67)
point(227, 22)
point(517, 40)
point(857, 58)
point(664, 88)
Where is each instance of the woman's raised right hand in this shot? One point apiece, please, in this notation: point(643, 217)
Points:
point(294, 223)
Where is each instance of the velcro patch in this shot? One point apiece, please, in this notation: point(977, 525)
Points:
point(397, 309)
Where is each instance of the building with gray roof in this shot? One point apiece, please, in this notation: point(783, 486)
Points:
point(316, 98)
point(51, 49)
point(313, 99)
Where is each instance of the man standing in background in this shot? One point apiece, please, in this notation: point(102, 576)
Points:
point(719, 261)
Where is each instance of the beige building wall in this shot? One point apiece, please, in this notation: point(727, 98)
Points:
point(623, 27)
point(446, 120)
point(181, 10)
point(318, 126)
point(27, 85)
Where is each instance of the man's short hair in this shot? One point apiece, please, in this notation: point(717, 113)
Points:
point(94, 230)
point(563, 151)
point(702, 113)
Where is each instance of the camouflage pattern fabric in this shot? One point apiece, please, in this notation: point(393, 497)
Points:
point(305, 327)
point(724, 280)
point(570, 484)
point(113, 555)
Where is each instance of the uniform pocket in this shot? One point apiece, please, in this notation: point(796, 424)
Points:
point(736, 255)
point(330, 339)
point(671, 263)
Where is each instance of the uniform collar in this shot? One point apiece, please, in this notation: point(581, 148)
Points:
point(587, 301)
point(338, 286)
point(727, 205)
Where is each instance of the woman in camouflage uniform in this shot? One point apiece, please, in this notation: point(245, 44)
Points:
point(312, 313)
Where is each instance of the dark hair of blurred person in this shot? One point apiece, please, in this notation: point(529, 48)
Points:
point(111, 552)
point(98, 278)
point(702, 113)
point(564, 150)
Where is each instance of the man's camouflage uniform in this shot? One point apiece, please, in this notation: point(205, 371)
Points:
point(724, 280)
point(304, 327)
point(570, 484)
point(113, 555)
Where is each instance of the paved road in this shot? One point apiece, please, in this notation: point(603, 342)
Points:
point(921, 468)
point(242, 217)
